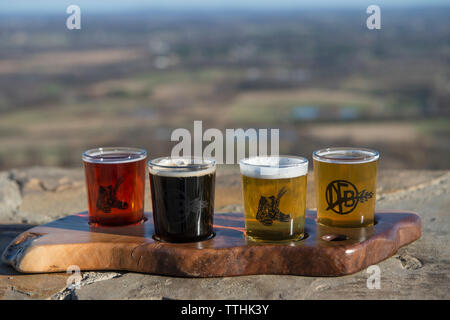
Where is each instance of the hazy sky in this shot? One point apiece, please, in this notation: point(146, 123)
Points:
point(53, 6)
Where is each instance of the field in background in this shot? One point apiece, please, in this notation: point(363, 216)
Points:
point(322, 78)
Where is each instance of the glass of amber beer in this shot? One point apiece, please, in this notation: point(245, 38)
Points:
point(345, 183)
point(115, 179)
point(274, 192)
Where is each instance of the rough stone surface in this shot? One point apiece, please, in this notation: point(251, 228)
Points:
point(419, 271)
point(10, 197)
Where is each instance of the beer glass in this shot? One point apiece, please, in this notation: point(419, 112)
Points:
point(115, 180)
point(274, 192)
point(345, 183)
point(182, 198)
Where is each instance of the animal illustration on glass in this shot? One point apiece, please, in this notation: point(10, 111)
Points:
point(268, 209)
point(107, 198)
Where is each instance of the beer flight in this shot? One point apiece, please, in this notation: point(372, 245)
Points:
point(273, 188)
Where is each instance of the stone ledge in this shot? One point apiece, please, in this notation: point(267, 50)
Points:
point(38, 195)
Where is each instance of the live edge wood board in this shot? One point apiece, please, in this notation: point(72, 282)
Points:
point(55, 246)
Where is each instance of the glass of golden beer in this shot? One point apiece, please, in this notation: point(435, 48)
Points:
point(274, 192)
point(345, 182)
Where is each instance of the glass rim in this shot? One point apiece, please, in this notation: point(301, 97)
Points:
point(94, 155)
point(261, 167)
point(365, 155)
point(198, 163)
point(303, 161)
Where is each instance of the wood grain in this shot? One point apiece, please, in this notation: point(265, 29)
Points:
point(55, 246)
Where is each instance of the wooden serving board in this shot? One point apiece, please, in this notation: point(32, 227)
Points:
point(325, 251)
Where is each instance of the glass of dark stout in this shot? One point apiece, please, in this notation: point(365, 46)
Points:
point(183, 198)
point(115, 180)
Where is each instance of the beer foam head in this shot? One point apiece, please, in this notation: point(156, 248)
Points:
point(346, 155)
point(274, 167)
point(114, 155)
point(181, 167)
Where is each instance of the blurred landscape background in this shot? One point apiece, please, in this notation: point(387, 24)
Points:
point(132, 75)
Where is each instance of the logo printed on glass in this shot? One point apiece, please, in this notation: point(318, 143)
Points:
point(268, 209)
point(107, 198)
point(188, 208)
point(342, 196)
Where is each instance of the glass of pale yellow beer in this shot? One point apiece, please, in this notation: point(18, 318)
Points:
point(274, 192)
point(345, 186)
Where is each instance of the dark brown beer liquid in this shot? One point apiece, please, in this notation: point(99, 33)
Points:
point(183, 207)
point(116, 189)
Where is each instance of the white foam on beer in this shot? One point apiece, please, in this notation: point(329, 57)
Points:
point(274, 167)
point(346, 155)
point(181, 167)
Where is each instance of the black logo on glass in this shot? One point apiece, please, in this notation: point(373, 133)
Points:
point(343, 196)
point(184, 206)
point(268, 210)
point(107, 198)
